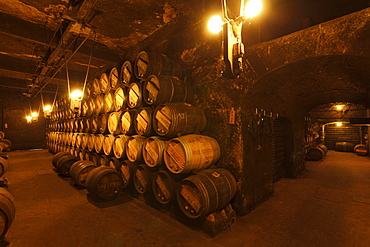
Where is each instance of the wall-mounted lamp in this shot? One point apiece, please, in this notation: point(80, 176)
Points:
point(338, 124)
point(47, 111)
point(233, 48)
point(29, 119)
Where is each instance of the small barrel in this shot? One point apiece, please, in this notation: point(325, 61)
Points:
point(94, 120)
point(206, 192)
point(134, 148)
point(108, 144)
point(143, 179)
point(360, 149)
point(95, 157)
point(103, 123)
point(114, 163)
point(119, 99)
point(153, 150)
point(99, 104)
point(57, 156)
point(114, 123)
point(98, 143)
point(108, 102)
point(127, 171)
point(143, 121)
point(134, 96)
point(315, 153)
point(127, 122)
point(95, 87)
point(344, 146)
point(88, 91)
point(164, 187)
point(126, 73)
point(64, 164)
point(79, 171)
point(191, 153)
point(113, 78)
point(7, 211)
point(175, 119)
point(85, 108)
point(104, 83)
point(4, 164)
point(90, 142)
point(91, 110)
point(159, 89)
point(119, 146)
point(323, 147)
point(2, 135)
point(84, 137)
point(148, 63)
point(104, 183)
point(103, 160)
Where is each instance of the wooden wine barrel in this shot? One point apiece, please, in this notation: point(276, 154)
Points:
point(104, 183)
point(143, 179)
point(127, 171)
point(174, 119)
point(113, 79)
point(159, 89)
point(103, 123)
point(76, 152)
point(361, 150)
point(99, 104)
point(88, 91)
point(7, 211)
point(164, 187)
point(95, 87)
point(119, 146)
point(84, 137)
point(91, 110)
point(94, 120)
point(323, 147)
point(134, 148)
point(126, 73)
point(87, 155)
point(344, 146)
point(191, 153)
point(74, 138)
point(2, 135)
point(84, 108)
point(127, 122)
point(108, 144)
point(4, 165)
point(317, 153)
point(108, 102)
point(90, 142)
point(64, 164)
point(119, 99)
point(134, 96)
point(206, 192)
point(98, 143)
point(103, 160)
point(153, 150)
point(95, 158)
point(114, 123)
point(78, 140)
point(104, 83)
point(148, 63)
point(114, 163)
point(81, 154)
point(79, 171)
point(143, 121)
point(87, 125)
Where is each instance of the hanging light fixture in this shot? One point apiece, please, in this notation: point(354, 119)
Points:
point(34, 116)
point(232, 46)
point(29, 119)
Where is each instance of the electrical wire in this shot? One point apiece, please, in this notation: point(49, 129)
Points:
point(88, 67)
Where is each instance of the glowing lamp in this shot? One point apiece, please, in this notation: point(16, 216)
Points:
point(252, 8)
point(339, 124)
point(215, 24)
point(339, 107)
point(47, 108)
point(76, 95)
point(29, 119)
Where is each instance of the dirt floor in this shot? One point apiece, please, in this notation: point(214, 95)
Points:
point(328, 205)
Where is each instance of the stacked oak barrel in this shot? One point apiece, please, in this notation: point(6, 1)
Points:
point(137, 128)
point(313, 150)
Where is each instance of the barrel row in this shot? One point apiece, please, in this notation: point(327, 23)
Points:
point(197, 195)
point(180, 155)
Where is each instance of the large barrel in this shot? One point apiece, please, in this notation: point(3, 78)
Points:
point(143, 179)
point(119, 99)
point(148, 63)
point(104, 183)
point(2, 135)
point(103, 123)
point(99, 104)
point(153, 150)
point(344, 146)
point(98, 143)
point(191, 153)
point(126, 73)
point(91, 103)
point(113, 79)
point(104, 83)
point(134, 148)
point(119, 146)
point(127, 122)
point(90, 142)
point(317, 153)
point(143, 121)
point(174, 119)
point(134, 95)
point(57, 156)
point(103, 160)
point(164, 187)
point(127, 171)
point(361, 150)
point(64, 164)
point(95, 87)
point(108, 102)
point(159, 89)
point(114, 163)
point(95, 124)
point(114, 123)
point(79, 171)
point(206, 192)
point(4, 164)
point(108, 144)
point(7, 211)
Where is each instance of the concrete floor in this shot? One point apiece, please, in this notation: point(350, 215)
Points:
point(328, 205)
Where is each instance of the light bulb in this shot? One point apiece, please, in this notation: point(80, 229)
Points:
point(34, 114)
point(29, 118)
point(76, 95)
point(339, 124)
point(215, 24)
point(47, 108)
point(253, 8)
